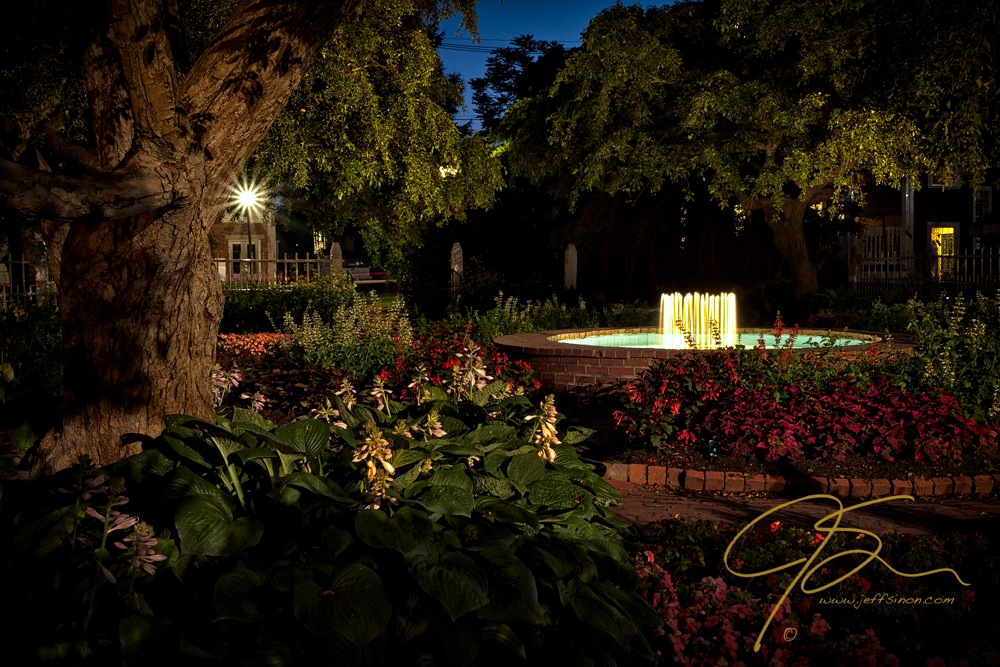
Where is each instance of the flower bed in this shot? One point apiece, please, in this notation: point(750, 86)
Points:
point(873, 617)
point(821, 405)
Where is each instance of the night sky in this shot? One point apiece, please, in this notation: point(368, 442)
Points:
point(555, 20)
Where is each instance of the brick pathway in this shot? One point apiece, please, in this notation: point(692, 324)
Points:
point(644, 505)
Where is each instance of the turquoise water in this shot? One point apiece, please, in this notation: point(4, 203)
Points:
point(655, 340)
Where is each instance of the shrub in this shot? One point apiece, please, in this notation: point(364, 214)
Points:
point(958, 349)
point(253, 307)
point(509, 316)
point(30, 374)
point(359, 339)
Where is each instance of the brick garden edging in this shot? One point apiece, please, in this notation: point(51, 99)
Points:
point(629, 475)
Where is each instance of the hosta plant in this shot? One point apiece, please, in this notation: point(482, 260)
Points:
point(458, 529)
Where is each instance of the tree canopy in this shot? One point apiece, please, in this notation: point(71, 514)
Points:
point(777, 104)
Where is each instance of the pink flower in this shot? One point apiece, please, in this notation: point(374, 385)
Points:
point(819, 626)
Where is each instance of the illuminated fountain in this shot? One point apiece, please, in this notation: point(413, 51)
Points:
point(698, 321)
point(689, 322)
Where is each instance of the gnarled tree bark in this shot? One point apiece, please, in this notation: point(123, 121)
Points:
point(140, 299)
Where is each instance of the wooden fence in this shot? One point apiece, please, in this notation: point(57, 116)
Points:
point(898, 275)
point(237, 272)
point(23, 283)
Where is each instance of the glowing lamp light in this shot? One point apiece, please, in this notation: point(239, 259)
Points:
point(247, 196)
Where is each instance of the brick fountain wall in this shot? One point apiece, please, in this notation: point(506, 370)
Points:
point(560, 366)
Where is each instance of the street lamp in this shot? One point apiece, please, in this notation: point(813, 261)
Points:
point(248, 197)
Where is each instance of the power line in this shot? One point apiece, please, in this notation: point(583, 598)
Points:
point(510, 41)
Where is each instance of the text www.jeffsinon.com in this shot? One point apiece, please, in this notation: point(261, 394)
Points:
point(885, 598)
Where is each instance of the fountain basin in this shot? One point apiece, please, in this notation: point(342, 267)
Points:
point(567, 358)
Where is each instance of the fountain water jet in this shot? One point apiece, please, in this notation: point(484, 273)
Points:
point(701, 321)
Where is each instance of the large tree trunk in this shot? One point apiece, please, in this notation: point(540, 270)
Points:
point(790, 240)
point(141, 305)
point(139, 294)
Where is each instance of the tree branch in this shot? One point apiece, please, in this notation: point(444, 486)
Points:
point(256, 60)
point(137, 31)
point(109, 102)
point(92, 197)
point(64, 149)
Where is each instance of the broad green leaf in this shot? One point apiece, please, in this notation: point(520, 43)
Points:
point(406, 530)
point(512, 589)
point(566, 456)
point(404, 457)
point(445, 500)
point(597, 612)
point(604, 493)
point(493, 461)
point(454, 580)
point(631, 604)
point(505, 512)
point(403, 481)
point(309, 436)
point(576, 434)
point(243, 417)
point(524, 469)
point(188, 452)
point(489, 485)
point(502, 642)
point(151, 463)
point(314, 483)
point(206, 527)
point(489, 433)
point(254, 453)
point(452, 426)
point(227, 446)
point(354, 604)
point(235, 595)
point(557, 492)
point(456, 476)
point(184, 482)
point(460, 449)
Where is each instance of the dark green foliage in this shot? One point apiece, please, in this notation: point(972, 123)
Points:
point(258, 307)
point(30, 374)
point(345, 541)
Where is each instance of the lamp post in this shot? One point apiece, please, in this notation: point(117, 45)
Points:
point(248, 197)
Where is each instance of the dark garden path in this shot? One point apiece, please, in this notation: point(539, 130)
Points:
point(643, 505)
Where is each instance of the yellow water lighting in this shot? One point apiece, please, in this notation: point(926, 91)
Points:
point(704, 321)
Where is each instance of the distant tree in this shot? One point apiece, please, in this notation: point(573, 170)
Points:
point(125, 124)
point(525, 68)
point(777, 104)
